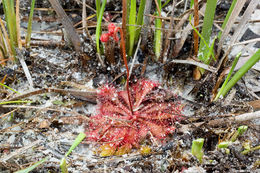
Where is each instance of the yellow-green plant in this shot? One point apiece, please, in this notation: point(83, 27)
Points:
point(158, 32)
point(99, 14)
point(196, 148)
point(239, 74)
point(206, 31)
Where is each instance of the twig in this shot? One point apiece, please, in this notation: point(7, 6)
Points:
point(19, 151)
point(4, 115)
point(244, 20)
point(246, 42)
point(224, 121)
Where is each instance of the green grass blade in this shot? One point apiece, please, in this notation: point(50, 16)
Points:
point(191, 3)
point(63, 164)
point(77, 141)
point(139, 21)
point(132, 27)
point(98, 29)
point(228, 76)
point(16, 101)
point(207, 28)
point(26, 170)
point(166, 3)
point(97, 8)
point(227, 17)
point(11, 23)
point(158, 34)
point(210, 49)
point(9, 88)
point(29, 28)
point(240, 73)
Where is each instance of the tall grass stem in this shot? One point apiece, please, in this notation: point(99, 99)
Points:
point(29, 27)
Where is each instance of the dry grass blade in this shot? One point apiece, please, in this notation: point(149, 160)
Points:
point(192, 62)
point(147, 10)
point(240, 28)
point(247, 42)
point(169, 34)
point(179, 44)
point(238, 7)
point(67, 24)
point(244, 20)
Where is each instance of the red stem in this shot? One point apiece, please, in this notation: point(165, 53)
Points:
point(126, 66)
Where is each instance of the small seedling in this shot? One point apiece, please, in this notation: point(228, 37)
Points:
point(63, 164)
point(239, 131)
point(196, 148)
point(247, 150)
point(224, 144)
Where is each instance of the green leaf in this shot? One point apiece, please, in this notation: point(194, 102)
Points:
point(77, 141)
point(228, 76)
point(26, 170)
point(196, 148)
point(63, 165)
point(224, 144)
point(158, 33)
point(206, 29)
point(15, 101)
point(241, 72)
point(132, 27)
point(98, 28)
point(29, 28)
